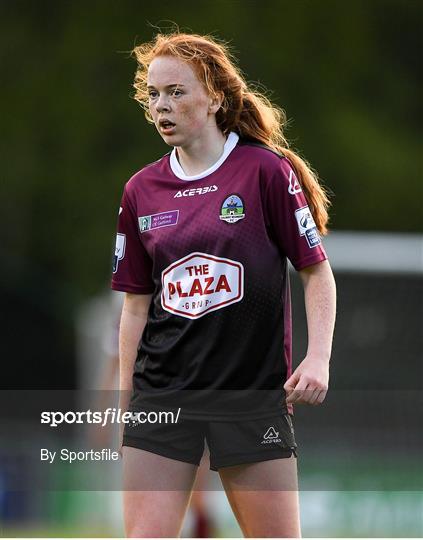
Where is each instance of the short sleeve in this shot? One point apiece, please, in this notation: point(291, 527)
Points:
point(289, 220)
point(132, 266)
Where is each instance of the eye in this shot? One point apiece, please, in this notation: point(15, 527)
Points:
point(152, 94)
point(177, 93)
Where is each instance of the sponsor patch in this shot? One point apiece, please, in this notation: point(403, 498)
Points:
point(232, 209)
point(307, 227)
point(195, 191)
point(119, 250)
point(200, 283)
point(294, 186)
point(156, 221)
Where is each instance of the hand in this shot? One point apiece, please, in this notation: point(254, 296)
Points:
point(309, 382)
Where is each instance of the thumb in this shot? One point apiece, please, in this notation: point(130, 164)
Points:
point(291, 383)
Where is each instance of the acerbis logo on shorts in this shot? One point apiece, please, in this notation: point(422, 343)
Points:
point(200, 283)
point(271, 436)
point(134, 420)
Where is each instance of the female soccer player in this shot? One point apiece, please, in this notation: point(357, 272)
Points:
point(204, 235)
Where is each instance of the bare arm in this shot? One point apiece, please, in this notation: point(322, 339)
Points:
point(320, 301)
point(309, 382)
point(132, 323)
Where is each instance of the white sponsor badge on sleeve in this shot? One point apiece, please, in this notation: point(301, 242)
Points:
point(119, 250)
point(307, 226)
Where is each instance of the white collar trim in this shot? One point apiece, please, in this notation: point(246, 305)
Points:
point(177, 170)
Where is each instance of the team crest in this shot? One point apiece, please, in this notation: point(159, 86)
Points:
point(233, 209)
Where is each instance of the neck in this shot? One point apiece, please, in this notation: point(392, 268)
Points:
point(201, 153)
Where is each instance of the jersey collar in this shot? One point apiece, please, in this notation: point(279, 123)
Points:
point(177, 170)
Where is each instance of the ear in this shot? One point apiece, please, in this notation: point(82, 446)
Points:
point(215, 103)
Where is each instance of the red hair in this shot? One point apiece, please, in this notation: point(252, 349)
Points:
point(244, 110)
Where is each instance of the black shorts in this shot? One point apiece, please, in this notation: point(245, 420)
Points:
point(230, 443)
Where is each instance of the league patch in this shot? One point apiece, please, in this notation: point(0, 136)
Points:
point(232, 209)
point(294, 186)
point(307, 227)
point(155, 221)
point(313, 237)
point(119, 250)
point(304, 219)
point(200, 283)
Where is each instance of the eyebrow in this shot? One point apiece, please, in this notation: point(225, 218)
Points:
point(168, 86)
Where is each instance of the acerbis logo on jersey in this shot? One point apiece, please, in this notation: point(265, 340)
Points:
point(271, 436)
point(294, 186)
point(119, 250)
point(199, 283)
point(232, 209)
point(307, 227)
point(195, 191)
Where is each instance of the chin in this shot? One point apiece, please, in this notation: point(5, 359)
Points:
point(173, 140)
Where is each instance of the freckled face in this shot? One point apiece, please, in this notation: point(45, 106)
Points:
point(178, 102)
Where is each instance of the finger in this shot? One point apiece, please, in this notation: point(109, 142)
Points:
point(313, 396)
point(297, 394)
point(307, 395)
point(288, 390)
point(321, 397)
point(291, 383)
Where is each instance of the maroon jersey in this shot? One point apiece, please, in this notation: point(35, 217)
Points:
point(213, 250)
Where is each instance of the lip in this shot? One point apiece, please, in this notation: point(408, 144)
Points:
point(165, 121)
point(167, 130)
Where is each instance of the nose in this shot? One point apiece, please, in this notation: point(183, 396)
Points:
point(162, 104)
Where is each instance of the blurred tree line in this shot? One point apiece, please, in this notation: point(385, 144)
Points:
point(348, 75)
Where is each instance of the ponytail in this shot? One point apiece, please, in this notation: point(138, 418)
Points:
point(244, 110)
point(260, 120)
